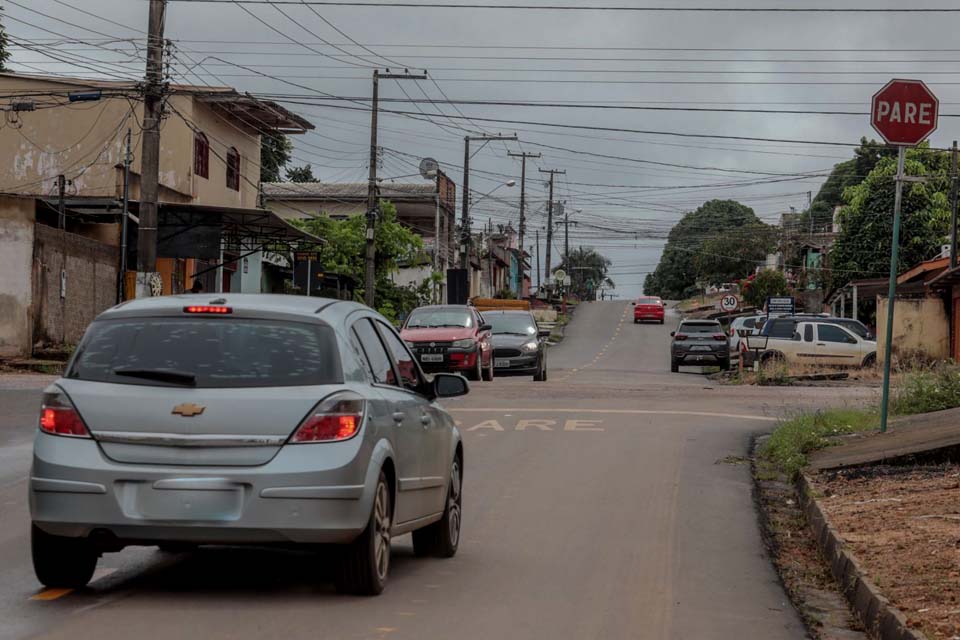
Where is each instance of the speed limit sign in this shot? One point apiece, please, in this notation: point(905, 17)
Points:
point(729, 303)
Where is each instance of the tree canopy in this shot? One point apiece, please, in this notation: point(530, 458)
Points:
point(862, 248)
point(275, 153)
point(587, 270)
point(767, 283)
point(4, 45)
point(722, 241)
point(301, 174)
point(844, 175)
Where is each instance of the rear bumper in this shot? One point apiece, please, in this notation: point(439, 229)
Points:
point(701, 357)
point(641, 316)
point(75, 491)
point(452, 361)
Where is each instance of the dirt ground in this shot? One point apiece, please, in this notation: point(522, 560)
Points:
point(903, 523)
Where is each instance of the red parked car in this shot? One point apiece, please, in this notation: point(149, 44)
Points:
point(450, 338)
point(648, 308)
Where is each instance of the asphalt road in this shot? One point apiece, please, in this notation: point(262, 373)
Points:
point(610, 502)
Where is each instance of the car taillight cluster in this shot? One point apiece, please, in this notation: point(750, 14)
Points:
point(335, 419)
point(680, 336)
point(209, 310)
point(59, 417)
point(719, 336)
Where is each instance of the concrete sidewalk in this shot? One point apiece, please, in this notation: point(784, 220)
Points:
point(907, 435)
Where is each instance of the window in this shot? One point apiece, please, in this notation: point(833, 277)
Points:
point(833, 333)
point(780, 328)
point(750, 323)
point(433, 317)
point(405, 362)
point(221, 353)
point(377, 359)
point(808, 333)
point(233, 169)
point(517, 324)
point(201, 155)
point(700, 327)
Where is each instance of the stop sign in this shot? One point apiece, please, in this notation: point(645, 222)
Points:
point(904, 112)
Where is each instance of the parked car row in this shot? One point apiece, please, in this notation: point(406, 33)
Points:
point(459, 339)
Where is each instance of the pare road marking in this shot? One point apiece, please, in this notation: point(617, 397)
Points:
point(539, 425)
point(627, 412)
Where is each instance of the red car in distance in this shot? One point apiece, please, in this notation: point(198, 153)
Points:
point(648, 308)
point(450, 338)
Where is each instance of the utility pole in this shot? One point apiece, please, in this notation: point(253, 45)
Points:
point(553, 173)
point(370, 279)
point(523, 200)
point(150, 154)
point(538, 261)
point(465, 208)
point(810, 210)
point(953, 207)
point(127, 161)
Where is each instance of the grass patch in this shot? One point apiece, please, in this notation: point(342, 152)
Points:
point(794, 439)
point(927, 390)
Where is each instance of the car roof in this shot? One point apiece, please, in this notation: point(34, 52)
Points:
point(696, 321)
point(328, 309)
point(505, 312)
point(444, 307)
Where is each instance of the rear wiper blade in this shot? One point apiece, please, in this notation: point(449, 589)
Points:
point(161, 375)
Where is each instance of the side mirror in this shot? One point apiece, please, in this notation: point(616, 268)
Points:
point(544, 333)
point(633, 304)
point(673, 333)
point(485, 327)
point(449, 385)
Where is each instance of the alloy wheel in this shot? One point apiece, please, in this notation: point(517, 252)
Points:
point(454, 503)
point(382, 531)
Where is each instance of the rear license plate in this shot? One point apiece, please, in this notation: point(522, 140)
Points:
point(700, 348)
point(431, 357)
point(208, 506)
point(502, 363)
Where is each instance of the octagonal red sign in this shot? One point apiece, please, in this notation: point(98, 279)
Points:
point(904, 112)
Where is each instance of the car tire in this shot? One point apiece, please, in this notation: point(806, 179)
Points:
point(725, 365)
point(488, 372)
point(442, 538)
point(363, 568)
point(870, 361)
point(674, 367)
point(661, 321)
point(62, 562)
point(541, 374)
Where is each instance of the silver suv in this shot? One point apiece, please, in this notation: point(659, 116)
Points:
point(699, 342)
point(244, 419)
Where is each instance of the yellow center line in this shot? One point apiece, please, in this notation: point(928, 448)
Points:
point(51, 594)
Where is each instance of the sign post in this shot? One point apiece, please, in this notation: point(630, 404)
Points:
point(904, 113)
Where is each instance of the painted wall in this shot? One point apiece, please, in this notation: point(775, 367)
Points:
point(920, 327)
point(16, 260)
point(86, 143)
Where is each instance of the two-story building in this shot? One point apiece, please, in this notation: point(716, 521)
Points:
point(65, 149)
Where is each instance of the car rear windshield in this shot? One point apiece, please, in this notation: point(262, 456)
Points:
point(700, 327)
point(655, 301)
point(214, 352)
point(780, 328)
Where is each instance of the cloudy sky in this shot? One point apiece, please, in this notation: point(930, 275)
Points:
point(624, 188)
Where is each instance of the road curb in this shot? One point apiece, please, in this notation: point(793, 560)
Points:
point(881, 619)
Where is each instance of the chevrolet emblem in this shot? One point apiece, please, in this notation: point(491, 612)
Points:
point(188, 409)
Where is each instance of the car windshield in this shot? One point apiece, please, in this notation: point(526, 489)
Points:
point(648, 301)
point(433, 318)
point(207, 353)
point(700, 327)
point(512, 323)
point(856, 327)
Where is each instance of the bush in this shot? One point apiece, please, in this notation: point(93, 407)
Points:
point(930, 390)
point(790, 442)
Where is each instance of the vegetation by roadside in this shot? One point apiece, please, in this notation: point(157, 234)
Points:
point(918, 392)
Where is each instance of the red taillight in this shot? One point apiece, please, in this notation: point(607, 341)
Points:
point(680, 336)
point(733, 332)
point(211, 310)
point(719, 336)
point(58, 417)
point(336, 418)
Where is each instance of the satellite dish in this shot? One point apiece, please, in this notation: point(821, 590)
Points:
point(429, 168)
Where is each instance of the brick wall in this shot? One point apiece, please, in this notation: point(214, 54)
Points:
point(91, 284)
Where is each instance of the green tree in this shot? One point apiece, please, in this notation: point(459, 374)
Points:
point(765, 284)
point(587, 270)
point(862, 248)
point(301, 174)
point(345, 249)
point(722, 223)
point(275, 153)
point(4, 45)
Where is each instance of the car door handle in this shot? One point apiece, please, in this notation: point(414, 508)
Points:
point(821, 344)
point(399, 416)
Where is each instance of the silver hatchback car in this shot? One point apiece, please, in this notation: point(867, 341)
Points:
point(244, 419)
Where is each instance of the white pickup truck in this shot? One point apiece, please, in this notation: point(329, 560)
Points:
point(817, 343)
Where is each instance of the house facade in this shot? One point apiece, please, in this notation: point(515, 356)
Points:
point(61, 209)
